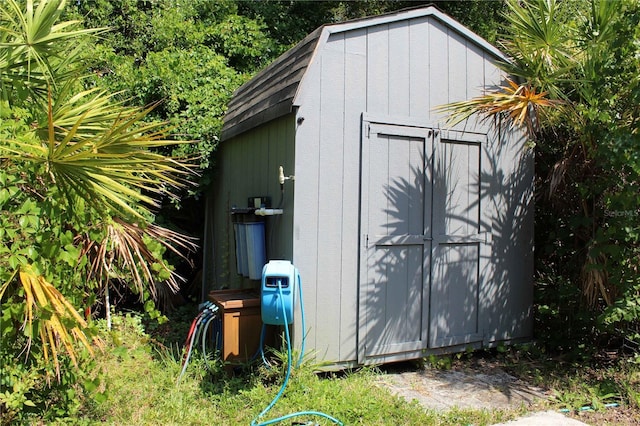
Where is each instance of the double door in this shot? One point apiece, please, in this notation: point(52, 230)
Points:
point(423, 244)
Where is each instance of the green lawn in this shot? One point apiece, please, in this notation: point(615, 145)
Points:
point(139, 376)
point(139, 372)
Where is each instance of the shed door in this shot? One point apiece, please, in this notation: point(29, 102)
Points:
point(460, 247)
point(396, 232)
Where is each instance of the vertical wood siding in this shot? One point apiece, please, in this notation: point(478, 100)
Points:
point(401, 69)
point(355, 104)
point(247, 166)
point(419, 99)
point(506, 304)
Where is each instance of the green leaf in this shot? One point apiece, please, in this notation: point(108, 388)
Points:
point(4, 196)
point(100, 397)
point(90, 385)
point(14, 261)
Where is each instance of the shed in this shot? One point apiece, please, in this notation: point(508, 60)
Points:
point(411, 237)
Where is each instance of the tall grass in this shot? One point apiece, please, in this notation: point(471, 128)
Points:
point(139, 377)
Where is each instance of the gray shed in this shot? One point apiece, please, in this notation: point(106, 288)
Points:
point(411, 237)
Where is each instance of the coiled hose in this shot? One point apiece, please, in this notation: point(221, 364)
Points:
point(288, 374)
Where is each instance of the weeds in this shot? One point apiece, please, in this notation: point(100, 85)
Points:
point(575, 385)
point(138, 387)
point(140, 376)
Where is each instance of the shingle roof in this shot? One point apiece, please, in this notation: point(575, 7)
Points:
point(270, 93)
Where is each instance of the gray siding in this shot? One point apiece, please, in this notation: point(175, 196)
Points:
point(507, 303)
point(393, 69)
point(247, 166)
point(412, 66)
point(401, 70)
point(333, 98)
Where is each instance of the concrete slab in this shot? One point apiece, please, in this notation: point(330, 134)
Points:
point(483, 386)
point(444, 389)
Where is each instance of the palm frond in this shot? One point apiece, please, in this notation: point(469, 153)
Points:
point(33, 44)
point(535, 35)
point(98, 109)
point(538, 45)
point(520, 104)
point(125, 248)
point(595, 281)
point(100, 152)
point(50, 315)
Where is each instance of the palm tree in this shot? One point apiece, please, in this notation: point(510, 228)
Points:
point(573, 86)
point(81, 168)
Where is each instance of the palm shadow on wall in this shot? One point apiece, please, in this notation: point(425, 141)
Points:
point(444, 293)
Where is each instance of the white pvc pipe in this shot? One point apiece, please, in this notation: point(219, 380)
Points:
point(268, 212)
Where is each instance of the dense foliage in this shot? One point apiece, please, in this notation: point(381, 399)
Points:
point(578, 66)
point(588, 166)
point(79, 184)
point(188, 57)
point(191, 56)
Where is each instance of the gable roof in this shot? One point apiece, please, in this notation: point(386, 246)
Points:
point(271, 93)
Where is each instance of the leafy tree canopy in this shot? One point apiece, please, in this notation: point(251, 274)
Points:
point(191, 56)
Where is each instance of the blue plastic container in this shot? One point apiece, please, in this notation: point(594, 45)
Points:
point(256, 253)
point(242, 261)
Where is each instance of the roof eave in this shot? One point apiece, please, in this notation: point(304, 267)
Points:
point(276, 111)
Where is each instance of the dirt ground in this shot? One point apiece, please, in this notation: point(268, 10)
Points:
point(614, 416)
point(484, 384)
